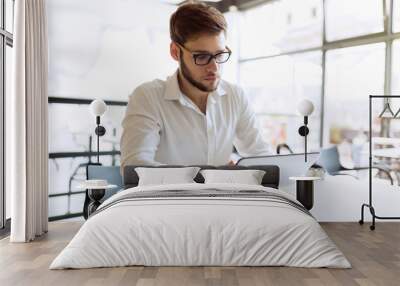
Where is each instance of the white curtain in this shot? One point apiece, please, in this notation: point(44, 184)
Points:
point(27, 146)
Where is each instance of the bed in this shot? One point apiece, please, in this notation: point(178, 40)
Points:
point(201, 224)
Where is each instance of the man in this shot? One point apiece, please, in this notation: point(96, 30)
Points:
point(193, 117)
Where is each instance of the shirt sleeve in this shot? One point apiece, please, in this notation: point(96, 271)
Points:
point(140, 131)
point(248, 140)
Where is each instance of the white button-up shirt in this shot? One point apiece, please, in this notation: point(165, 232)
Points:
point(163, 126)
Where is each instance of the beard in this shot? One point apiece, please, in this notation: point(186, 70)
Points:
point(188, 76)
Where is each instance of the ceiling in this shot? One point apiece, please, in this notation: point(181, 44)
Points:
point(224, 5)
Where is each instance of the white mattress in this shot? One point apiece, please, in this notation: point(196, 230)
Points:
point(200, 231)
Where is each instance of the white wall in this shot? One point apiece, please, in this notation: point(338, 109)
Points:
point(105, 48)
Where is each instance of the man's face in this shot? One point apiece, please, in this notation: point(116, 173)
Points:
point(204, 77)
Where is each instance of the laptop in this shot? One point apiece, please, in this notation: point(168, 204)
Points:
point(289, 164)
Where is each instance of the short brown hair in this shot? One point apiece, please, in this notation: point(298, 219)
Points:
point(194, 19)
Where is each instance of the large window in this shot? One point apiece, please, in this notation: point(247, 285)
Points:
point(6, 42)
point(351, 75)
point(396, 16)
point(333, 52)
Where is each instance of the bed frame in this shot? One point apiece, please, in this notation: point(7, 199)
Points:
point(131, 179)
point(270, 179)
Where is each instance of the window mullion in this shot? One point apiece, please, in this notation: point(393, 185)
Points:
point(2, 125)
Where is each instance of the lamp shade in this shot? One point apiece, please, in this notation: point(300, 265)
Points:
point(305, 107)
point(98, 107)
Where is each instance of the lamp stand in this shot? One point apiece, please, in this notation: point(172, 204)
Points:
point(100, 131)
point(303, 131)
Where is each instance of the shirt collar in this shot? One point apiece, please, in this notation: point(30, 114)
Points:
point(173, 92)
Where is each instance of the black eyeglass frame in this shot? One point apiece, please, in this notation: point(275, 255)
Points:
point(195, 55)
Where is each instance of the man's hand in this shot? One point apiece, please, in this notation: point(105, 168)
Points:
point(231, 163)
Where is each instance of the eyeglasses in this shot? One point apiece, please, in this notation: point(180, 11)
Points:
point(202, 59)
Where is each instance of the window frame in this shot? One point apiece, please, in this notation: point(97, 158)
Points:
point(6, 39)
point(387, 36)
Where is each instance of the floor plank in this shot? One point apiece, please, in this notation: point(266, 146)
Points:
point(374, 255)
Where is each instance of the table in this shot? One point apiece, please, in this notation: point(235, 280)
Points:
point(95, 196)
point(305, 190)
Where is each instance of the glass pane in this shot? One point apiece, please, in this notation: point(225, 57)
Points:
point(395, 103)
point(58, 206)
point(76, 203)
point(396, 67)
point(351, 18)
point(9, 15)
point(396, 15)
point(352, 74)
point(280, 26)
point(70, 128)
point(272, 83)
point(64, 205)
point(1, 15)
point(394, 130)
point(65, 175)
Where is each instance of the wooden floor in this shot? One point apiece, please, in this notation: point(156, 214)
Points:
point(375, 257)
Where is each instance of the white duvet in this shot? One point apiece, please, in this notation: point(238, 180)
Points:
point(200, 231)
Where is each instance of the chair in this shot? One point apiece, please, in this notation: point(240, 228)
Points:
point(110, 173)
point(285, 146)
point(329, 160)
